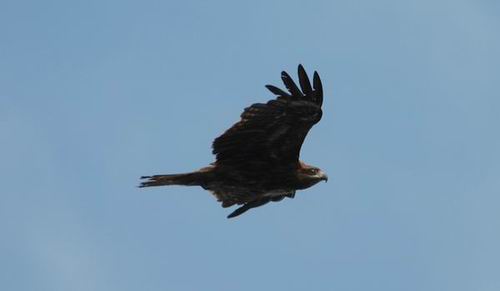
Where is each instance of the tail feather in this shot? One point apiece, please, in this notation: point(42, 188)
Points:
point(188, 179)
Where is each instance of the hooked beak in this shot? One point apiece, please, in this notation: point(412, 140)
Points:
point(324, 177)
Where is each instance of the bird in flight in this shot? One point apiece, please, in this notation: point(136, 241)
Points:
point(257, 159)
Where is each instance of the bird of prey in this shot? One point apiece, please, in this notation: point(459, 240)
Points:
point(257, 159)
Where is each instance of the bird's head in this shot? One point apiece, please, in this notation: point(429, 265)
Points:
point(309, 176)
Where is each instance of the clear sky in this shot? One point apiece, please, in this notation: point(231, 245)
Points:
point(94, 94)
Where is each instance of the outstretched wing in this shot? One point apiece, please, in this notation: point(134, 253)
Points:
point(269, 136)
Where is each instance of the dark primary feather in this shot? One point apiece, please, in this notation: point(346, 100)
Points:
point(249, 205)
point(277, 91)
point(290, 85)
point(304, 81)
point(269, 136)
point(318, 89)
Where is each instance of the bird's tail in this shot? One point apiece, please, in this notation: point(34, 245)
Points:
point(187, 179)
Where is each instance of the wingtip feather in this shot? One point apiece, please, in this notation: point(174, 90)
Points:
point(277, 91)
point(290, 85)
point(318, 88)
point(305, 84)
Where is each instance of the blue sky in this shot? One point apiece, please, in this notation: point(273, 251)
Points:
point(94, 94)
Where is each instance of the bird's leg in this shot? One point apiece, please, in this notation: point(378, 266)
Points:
point(248, 206)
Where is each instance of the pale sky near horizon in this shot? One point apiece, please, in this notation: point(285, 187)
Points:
point(94, 94)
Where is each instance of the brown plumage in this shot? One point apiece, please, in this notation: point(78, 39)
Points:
point(257, 159)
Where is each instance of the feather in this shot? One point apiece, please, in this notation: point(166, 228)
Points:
point(290, 85)
point(304, 81)
point(248, 206)
point(318, 89)
point(277, 91)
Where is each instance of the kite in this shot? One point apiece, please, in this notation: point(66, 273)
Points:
point(257, 159)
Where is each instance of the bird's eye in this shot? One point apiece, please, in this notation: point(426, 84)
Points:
point(313, 171)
